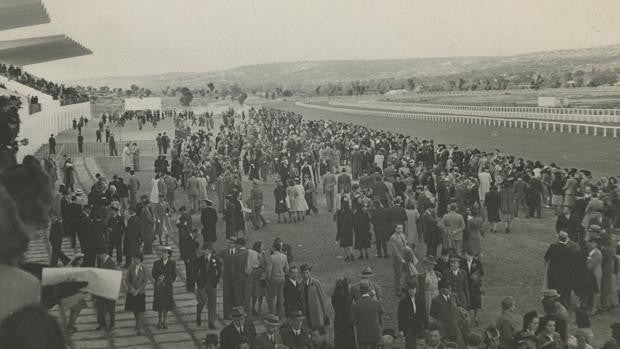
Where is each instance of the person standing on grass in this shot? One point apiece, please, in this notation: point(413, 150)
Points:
point(279, 194)
point(412, 317)
point(329, 186)
point(453, 225)
point(277, 270)
point(366, 319)
point(136, 279)
point(398, 243)
point(314, 299)
point(344, 229)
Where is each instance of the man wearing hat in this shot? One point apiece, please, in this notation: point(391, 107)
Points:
point(295, 334)
point(412, 317)
point(226, 258)
point(365, 275)
point(105, 306)
point(366, 319)
point(211, 341)
point(208, 274)
point(444, 311)
point(116, 230)
point(240, 326)
point(270, 337)
point(208, 218)
point(256, 202)
point(560, 260)
point(453, 226)
point(314, 299)
point(242, 286)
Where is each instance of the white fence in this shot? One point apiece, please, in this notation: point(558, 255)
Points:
point(542, 125)
point(531, 113)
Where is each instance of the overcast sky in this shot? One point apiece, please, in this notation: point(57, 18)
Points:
point(136, 37)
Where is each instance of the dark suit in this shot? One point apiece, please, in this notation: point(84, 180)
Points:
point(133, 238)
point(560, 259)
point(227, 281)
point(366, 319)
point(458, 285)
point(571, 225)
point(240, 279)
point(293, 297)
point(262, 341)
point(444, 311)
point(209, 272)
point(295, 341)
point(412, 323)
point(208, 218)
point(229, 337)
point(544, 341)
point(105, 306)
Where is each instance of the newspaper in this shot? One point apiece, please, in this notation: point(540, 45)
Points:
point(101, 282)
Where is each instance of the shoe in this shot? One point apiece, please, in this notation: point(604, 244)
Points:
point(347, 259)
point(212, 326)
point(159, 326)
point(164, 326)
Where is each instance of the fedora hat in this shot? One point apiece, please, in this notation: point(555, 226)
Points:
point(273, 320)
point(296, 314)
point(366, 273)
point(551, 293)
point(237, 313)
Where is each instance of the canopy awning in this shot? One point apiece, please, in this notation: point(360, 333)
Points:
point(22, 13)
point(22, 52)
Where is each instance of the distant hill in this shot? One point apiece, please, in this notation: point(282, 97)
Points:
point(312, 73)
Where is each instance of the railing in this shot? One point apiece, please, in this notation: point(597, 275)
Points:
point(542, 125)
point(531, 113)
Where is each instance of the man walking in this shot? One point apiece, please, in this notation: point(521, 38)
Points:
point(366, 319)
point(398, 243)
point(329, 185)
point(105, 306)
point(256, 200)
point(412, 317)
point(112, 145)
point(52, 144)
point(209, 272)
point(276, 271)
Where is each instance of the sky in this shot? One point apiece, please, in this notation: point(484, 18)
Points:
point(139, 37)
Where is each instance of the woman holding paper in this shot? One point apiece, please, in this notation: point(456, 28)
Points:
point(164, 274)
point(136, 282)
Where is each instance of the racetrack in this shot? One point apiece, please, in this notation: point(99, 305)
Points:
point(600, 155)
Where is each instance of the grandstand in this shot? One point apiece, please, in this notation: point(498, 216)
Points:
point(47, 107)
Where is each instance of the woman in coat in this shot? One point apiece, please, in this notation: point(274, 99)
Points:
point(164, 273)
point(135, 281)
point(361, 228)
point(344, 229)
point(474, 228)
point(344, 336)
point(291, 196)
point(147, 227)
point(279, 194)
point(411, 225)
point(492, 202)
point(381, 225)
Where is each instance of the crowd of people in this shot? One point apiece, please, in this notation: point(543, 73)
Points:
point(400, 191)
point(57, 91)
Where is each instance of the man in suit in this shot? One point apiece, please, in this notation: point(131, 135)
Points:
point(188, 245)
point(344, 182)
point(256, 200)
point(293, 293)
point(398, 243)
point(240, 277)
point(193, 188)
point(230, 337)
point(453, 225)
point(412, 317)
point(443, 310)
point(270, 337)
point(134, 186)
point(133, 237)
point(208, 218)
point(209, 272)
point(594, 265)
point(277, 270)
point(226, 257)
point(314, 299)
point(560, 259)
point(520, 190)
point(329, 184)
point(295, 334)
point(457, 279)
point(116, 230)
point(614, 342)
point(366, 319)
point(105, 306)
point(319, 338)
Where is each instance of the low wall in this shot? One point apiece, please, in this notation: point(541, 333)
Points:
point(542, 125)
point(38, 127)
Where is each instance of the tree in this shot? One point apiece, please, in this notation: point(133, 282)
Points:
point(242, 97)
point(317, 90)
point(411, 84)
point(9, 129)
point(211, 87)
point(186, 97)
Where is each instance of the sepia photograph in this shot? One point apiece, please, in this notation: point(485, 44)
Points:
point(328, 174)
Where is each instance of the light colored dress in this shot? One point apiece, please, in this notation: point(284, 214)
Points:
point(300, 201)
point(474, 225)
point(411, 228)
point(431, 288)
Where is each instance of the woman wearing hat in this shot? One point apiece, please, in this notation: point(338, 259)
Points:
point(164, 274)
point(135, 279)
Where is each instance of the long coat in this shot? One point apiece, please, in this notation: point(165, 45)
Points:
point(361, 228)
point(445, 312)
point(560, 260)
point(410, 323)
point(163, 298)
point(492, 202)
point(314, 303)
point(344, 336)
point(133, 236)
point(344, 227)
point(366, 318)
point(459, 286)
point(474, 282)
point(147, 228)
point(208, 218)
point(381, 223)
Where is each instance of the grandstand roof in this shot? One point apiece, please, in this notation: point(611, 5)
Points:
point(22, 52)
point(22, 13)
